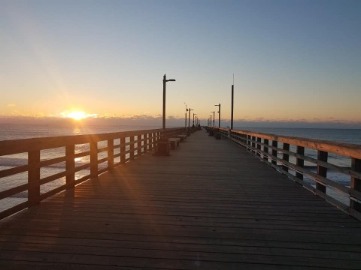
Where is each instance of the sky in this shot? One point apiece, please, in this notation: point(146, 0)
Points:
point(293, 61)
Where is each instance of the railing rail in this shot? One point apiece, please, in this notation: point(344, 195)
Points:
point(329, 169)
point(79, 158)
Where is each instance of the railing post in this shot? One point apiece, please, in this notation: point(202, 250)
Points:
point(155, 139)
point(274, 152)
point(300, 162)
point(151, 141)
point(131, 146)
point(244, 138)
point(110, 153)
point(286, 156)
point(70, 165)
point(146, 142)
point(259, 141)
point(34, 177)
point(249, 142)
point(136, 149)
point(356, 184)
point(93, 159)
point(122, 150)
point(252, 144)
point(321, 171)
point(139, 145)
point(265, 149)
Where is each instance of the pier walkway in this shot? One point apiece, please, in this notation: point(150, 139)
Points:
point(210, 205)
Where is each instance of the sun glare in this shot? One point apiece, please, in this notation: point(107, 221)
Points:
point(77, 115)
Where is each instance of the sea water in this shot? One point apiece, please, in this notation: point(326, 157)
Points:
point(351, 136)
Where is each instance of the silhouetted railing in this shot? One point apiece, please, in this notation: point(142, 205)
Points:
point(46, 166)
point(330, 170)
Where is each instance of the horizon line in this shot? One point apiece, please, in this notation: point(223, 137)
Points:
point(225, 122)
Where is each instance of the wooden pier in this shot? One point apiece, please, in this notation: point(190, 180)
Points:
point(210, 205)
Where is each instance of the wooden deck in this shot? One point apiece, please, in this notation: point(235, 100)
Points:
point(210, 205)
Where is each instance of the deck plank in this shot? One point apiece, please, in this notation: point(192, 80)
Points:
point(210, 205)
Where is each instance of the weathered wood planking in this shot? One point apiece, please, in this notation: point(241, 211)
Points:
point(210, 205)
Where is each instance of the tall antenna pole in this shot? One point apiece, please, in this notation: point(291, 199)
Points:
point(185, 117)
point(232, 103)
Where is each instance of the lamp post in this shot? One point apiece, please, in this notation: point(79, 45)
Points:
point(213, 117)
point(164, 95)
point(232, 103)
point(162, 148)
point(219, 114)
point(189, 117)
point(185, 117)
point(194, 114)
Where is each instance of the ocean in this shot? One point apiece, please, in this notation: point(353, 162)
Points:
point(13, 131)
point(352, 136)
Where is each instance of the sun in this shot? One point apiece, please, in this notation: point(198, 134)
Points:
point(75, 115)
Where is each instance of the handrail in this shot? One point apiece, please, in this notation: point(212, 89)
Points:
point(308, 162)
point(101, 153)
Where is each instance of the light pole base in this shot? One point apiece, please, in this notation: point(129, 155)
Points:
point(163, 148)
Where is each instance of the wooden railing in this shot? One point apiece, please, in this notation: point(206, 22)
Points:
point(330, 170)
point(24, 185)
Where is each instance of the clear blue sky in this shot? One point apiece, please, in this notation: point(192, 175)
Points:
point(293, 60)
